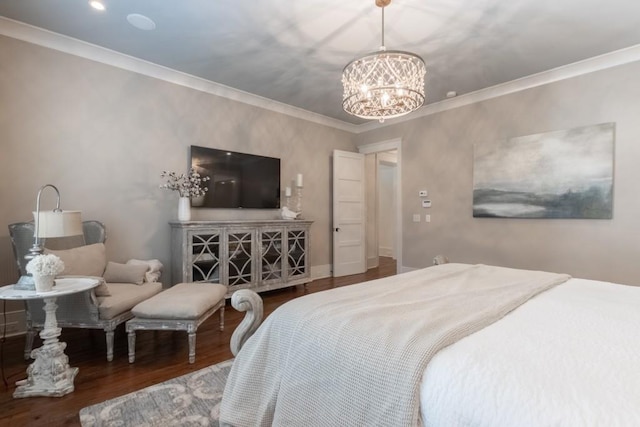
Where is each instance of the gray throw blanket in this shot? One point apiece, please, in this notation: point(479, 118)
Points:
point(354, 356)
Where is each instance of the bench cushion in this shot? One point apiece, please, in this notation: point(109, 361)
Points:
point(124, 296)
point(182, 301)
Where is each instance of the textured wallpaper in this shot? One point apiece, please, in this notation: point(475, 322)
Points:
point(103, 135)
point(437, 155)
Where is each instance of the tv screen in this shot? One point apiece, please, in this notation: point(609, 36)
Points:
point(236, 180)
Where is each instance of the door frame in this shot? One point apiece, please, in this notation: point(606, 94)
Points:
point(388, 145)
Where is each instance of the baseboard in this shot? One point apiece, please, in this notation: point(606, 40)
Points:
point(16, 323)
point(388, 252)
point(320, 271)
point(372, 262)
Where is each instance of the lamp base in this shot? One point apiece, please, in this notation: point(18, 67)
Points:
point(26, 283)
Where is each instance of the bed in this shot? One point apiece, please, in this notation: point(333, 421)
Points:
point(556, 351)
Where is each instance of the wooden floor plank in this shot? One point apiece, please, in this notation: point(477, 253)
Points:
point(159, 356)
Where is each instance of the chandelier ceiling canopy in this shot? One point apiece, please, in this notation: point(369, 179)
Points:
point(384, 84)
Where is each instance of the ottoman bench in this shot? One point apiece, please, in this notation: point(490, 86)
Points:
point(182, 307)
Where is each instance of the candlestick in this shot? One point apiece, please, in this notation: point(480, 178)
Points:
point(299, 201)
point(299, 180)
point(287, 192)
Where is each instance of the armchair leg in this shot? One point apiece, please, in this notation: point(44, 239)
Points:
point(109, 335)
point(28, 343)
point(131, 340)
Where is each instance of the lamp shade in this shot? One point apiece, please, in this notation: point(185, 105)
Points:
point(58, 223)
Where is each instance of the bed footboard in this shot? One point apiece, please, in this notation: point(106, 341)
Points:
point(249, 301)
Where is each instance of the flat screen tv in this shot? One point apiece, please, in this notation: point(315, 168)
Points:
point(236, 180)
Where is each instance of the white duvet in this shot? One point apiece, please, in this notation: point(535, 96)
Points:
point(568, 357)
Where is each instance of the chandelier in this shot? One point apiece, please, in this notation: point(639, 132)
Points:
point(384, 84)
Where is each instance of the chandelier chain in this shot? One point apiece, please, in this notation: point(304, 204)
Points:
point(382, 45)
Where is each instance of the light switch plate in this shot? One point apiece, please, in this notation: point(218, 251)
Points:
point(416, 217)
point(427, 218)
point(422, 193)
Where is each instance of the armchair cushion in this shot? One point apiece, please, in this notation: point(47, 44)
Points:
point(125, 273)
point(89, 260)
point(124, 296)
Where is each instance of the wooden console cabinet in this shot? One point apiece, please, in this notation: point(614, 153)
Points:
point(258, 255)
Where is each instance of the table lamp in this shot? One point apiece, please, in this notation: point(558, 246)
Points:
point(54, 223)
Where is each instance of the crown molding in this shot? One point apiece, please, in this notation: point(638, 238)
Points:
point(49, 39)
point(590, 65)
point(28, 33)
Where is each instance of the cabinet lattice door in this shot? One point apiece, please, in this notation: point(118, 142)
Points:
point(258, 255)
point(205, 257)
point(297, 252)
point(271, 255)
point(240, 262)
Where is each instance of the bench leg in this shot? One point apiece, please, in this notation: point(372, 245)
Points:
point(131, 340)
point(192, 347)
point(222, 318)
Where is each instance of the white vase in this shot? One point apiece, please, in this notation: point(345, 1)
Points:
point(43, 283)
point(184, 209)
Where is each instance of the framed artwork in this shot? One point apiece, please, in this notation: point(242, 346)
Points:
point(562, 174)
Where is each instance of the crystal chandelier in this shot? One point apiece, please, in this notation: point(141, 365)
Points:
point(384, 84)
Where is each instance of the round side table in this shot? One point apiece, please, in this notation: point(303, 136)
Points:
point(50, 373)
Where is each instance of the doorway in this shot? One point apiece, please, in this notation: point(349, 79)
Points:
point(383, 202)
point(386, 203)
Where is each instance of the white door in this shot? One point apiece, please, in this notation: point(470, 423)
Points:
point(348, 213)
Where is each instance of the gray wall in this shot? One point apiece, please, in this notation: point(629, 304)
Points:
point(437, 154)
point(103, 135)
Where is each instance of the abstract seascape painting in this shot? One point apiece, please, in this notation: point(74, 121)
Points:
point(563, 174)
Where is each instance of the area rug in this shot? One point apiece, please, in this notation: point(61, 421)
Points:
point(190, 400)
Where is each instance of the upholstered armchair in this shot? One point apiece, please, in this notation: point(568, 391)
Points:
point(104, 307)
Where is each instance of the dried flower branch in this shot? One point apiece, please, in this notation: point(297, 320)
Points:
point(188, 185)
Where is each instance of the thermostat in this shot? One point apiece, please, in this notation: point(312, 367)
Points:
point(426, 203)
point(422, 193)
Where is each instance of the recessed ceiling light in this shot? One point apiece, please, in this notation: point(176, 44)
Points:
point(97, 4)
point(141, 22)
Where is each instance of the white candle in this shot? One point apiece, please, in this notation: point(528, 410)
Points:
point(299, 180)
point(287, 192)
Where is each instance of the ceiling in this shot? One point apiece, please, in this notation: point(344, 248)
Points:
point(293, 51)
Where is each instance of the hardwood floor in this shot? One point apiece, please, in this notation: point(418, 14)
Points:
point(159, 357)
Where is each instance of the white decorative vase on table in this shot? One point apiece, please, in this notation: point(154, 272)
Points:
point(187, 185)
point(184, 209)
point(44, 268)
point(44, 283)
